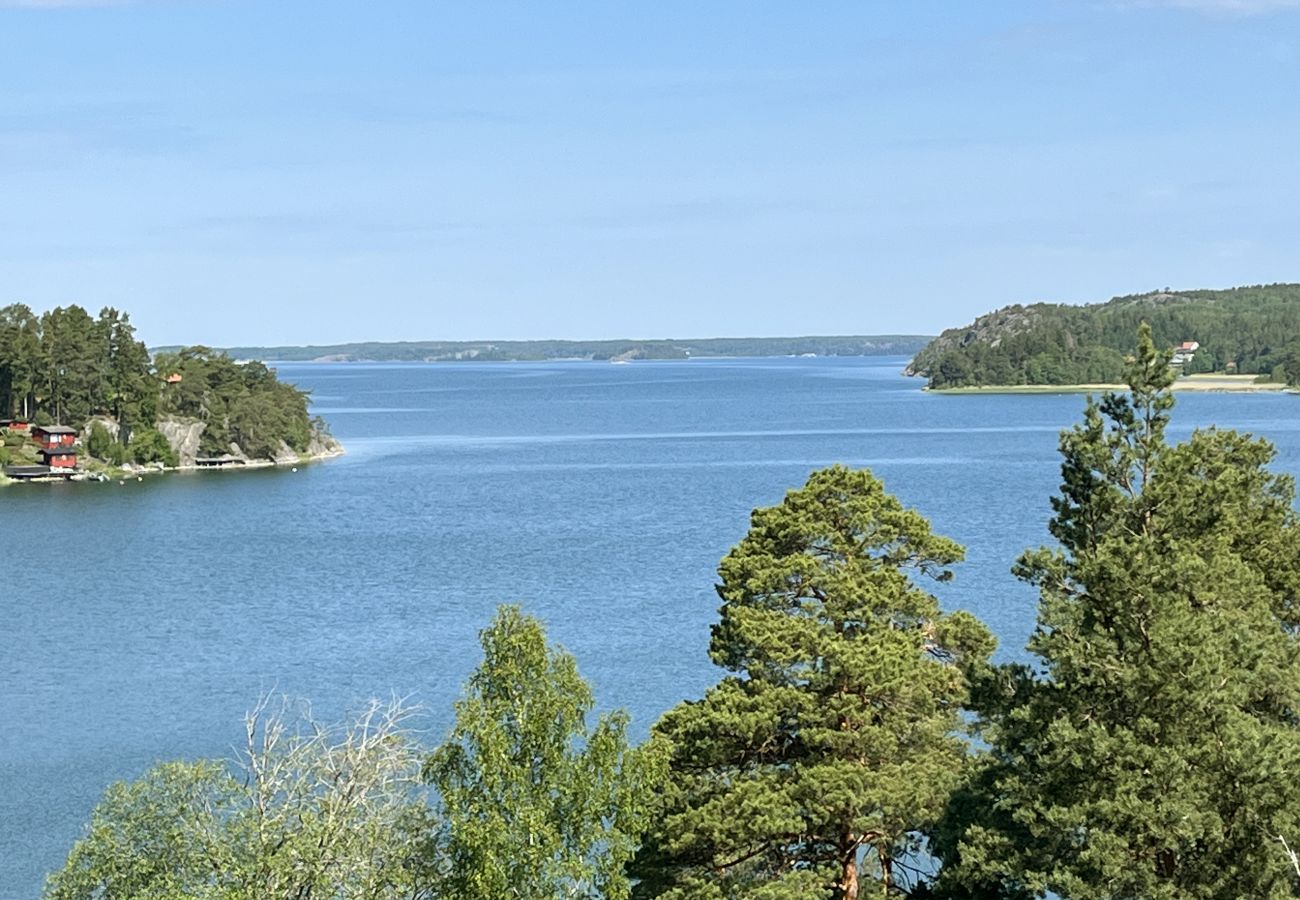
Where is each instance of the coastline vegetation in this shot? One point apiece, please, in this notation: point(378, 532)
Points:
point(860, 742)
point(1241, 331)
point(65, 367)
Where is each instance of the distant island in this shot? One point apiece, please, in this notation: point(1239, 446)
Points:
point(1245, 337)
point(81, 398)
point(516, 351)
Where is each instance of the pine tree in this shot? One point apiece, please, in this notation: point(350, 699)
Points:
point(1153, 755)
point(835, 740)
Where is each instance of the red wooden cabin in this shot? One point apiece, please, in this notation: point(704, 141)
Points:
point(51, 437)
point(60, 458)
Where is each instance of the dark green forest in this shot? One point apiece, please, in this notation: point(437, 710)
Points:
point(66, 367)
point(860, 740)
point(1245, 330)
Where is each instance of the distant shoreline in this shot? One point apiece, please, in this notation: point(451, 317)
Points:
point(1195, 383)
point(600, 350)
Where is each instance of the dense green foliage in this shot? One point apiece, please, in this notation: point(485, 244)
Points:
point(530, 803)
point(1248, 330)
point(243, 403)
point(308, 811)
point(1154, 755)
point(498, 351)
point(65, 367)
point(149, 446)
point(534, 805)
point(68, 366)
point(836, 740)
point(102, 445)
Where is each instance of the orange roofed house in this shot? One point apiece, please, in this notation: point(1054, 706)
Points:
point(1184, 352)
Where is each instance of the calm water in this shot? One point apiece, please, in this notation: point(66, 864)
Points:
point(138, 622)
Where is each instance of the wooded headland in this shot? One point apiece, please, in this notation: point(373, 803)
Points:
point(1240, 331)
point(124, 407)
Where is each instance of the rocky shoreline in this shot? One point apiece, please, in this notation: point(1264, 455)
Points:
point(184, 438)
point(133, 470)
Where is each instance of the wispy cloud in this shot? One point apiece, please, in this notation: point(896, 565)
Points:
point(1215, 7)
point(135, 128)
point(57, 4)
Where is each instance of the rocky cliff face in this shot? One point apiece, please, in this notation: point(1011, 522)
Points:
point(183, 435)
point(110, 425)
point(990, 328)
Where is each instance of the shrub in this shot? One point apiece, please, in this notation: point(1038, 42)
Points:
point(99, 441)
point(102, 445)
point(148, 445)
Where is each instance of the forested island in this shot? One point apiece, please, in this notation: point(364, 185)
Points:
point(860, 741)
point(1252, 331)
point(80, 395)
point(510, 351)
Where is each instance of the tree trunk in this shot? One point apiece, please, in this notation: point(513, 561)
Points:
point(848, 887)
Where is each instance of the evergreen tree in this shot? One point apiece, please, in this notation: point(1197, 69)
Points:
point(129, 392)
point(535, 806)
point(835, 740)
point(73, 363)
point(1154, 754)
point(19, 360)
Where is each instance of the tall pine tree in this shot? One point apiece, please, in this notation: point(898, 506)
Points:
point(1153, 754)
point(835, 740)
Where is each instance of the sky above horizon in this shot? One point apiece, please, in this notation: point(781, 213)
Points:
point(240, 173)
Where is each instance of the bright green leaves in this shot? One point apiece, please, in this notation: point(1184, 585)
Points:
point(835, 744)
point(535, 805)
point(532, 802)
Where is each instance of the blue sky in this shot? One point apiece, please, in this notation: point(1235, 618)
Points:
point(236, 172)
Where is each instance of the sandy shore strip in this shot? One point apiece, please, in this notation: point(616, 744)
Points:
point(1232, 383)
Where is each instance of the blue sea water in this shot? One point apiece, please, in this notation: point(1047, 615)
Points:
point(138, 622)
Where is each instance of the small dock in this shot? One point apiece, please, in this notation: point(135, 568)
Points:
point(34, 473)
point(217, 462)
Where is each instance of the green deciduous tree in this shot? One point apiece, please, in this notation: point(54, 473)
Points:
point(308, 811)
point(836, 740)
point(1154, 755)
point(536, 805)
point(149, 446)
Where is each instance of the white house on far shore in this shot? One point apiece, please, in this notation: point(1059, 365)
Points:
point(1184, 352)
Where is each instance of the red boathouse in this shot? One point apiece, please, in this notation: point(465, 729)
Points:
point(59, 458)
point(52, 437)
